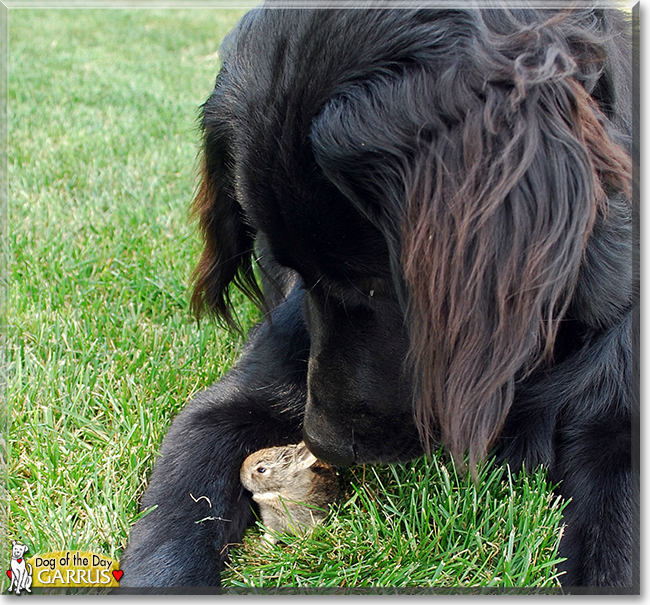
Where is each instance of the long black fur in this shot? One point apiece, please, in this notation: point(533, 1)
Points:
point(340, 152)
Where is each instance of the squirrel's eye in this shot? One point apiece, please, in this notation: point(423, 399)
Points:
point(261, 469)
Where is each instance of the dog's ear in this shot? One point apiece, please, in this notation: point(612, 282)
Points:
point(610, 82)
point(486, 175)
point(228, 241)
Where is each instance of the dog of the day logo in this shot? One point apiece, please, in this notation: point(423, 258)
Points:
point(20, 571)
point(61, 569)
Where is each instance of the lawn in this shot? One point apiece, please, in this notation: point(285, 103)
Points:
point(101, 350)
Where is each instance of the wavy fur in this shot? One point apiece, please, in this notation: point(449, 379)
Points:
point(439, 203)
point(500, 207)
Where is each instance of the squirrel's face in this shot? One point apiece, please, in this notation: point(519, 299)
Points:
point(263, 474)
point(274, 468)
point(267, 470)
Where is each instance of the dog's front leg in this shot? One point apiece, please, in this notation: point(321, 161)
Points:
point(201, 509)
point(595, 467)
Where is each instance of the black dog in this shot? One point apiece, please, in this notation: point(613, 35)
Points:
point(440, 205)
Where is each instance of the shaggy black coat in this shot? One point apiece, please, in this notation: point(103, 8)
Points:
point(440, 204)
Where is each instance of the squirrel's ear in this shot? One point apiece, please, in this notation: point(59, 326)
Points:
point(303, 457)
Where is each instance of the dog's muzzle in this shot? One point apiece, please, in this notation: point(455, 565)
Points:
point(331, 444)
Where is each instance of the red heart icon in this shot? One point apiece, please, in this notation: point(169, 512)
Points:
point(117, 574)
point(20, 560)
point(9, 573)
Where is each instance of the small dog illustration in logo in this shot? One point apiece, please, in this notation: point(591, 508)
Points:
point(21, 571)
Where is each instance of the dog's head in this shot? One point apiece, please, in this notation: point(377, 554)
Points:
point(18, 550)
point(434, 178)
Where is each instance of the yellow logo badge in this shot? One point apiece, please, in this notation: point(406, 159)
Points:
point(74, 568)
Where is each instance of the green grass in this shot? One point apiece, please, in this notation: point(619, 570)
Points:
point(418, 525)
point(101, 351)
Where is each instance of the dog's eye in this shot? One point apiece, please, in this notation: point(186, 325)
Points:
point(369, 287)
point(260, 469)
point(366, 286)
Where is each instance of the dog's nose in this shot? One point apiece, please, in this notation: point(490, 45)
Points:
point(337, 453)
